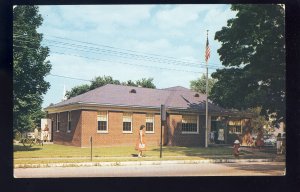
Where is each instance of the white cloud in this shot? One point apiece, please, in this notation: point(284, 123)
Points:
point(217, 18)
point(123, 15)
point(180, 15)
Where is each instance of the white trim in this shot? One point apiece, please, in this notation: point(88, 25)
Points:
point(102, 131)
point(190, 133)
point(127, 132)
point(57, 121)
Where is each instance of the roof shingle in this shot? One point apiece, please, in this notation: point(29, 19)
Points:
point(110, 94)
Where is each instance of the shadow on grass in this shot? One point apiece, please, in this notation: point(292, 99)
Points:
point(25, 148)
point(196, 151)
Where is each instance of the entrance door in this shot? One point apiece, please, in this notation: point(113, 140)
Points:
point(218, 129)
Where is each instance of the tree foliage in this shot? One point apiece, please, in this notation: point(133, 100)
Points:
point(101, 81)
point(77, 90)
point(147, 83)
point(253, 50)
point(29, 67)
point(199, 84)
point(258, 121)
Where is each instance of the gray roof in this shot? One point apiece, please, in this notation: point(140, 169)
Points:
point(120, 95)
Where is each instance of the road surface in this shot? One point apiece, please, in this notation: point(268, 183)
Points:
point(205, 169)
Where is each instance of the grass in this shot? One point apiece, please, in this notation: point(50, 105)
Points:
point(69, 154)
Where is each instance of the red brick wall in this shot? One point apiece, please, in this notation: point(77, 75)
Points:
point(84, 125)
point(115, 135)
point(63, 137)
point(175, 136)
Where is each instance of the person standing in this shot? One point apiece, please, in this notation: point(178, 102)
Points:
point(46, 133)
point(36, 134)
point(141, 144)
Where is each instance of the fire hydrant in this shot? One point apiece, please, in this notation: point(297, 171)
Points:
point(236, 148)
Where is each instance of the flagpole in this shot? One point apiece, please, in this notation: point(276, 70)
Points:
point(206, 91)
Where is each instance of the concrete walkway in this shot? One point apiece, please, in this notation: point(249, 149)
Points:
point(127, 163)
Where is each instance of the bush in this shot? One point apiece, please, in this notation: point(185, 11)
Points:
point(17, 136)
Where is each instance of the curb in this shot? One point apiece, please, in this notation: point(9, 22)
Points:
point(130, 163)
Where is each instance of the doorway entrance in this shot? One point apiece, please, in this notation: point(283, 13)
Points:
point(218, 130)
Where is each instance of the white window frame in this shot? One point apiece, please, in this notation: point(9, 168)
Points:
point(153, 122)
point(188, 132)
point(102, 131)
point(69, 121)
point(131, 115)
point(57, 121)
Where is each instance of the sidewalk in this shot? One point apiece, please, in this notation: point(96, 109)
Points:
point(251, 155)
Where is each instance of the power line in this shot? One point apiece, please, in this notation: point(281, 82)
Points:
point(121, 48)
point(111, 47)
point(128, 63)
point(69, 77)
point(145, 56)
point(118, 61)
point(122, 54)
point(128, 57)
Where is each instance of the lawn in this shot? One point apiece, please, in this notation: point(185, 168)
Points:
point(59, 153)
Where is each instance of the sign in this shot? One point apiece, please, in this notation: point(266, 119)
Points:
point(163, 113)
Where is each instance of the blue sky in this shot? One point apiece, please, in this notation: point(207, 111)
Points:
point(165, 38)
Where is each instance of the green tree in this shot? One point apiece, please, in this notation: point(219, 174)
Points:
point(199, 84)
point(253, 50)
point(29, 67)
point(129, 83)
point(147, 83)
point(77, 90)
point(258, 121)
point(100, 81)
point(36, 116)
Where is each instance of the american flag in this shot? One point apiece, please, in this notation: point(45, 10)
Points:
point(207, 51)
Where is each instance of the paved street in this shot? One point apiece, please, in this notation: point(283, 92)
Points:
point(205, 169)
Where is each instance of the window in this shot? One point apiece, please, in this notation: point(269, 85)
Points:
point(69, 121)
point(102, 121)
point(127, 122)
point(235, 127)
point(189, 124)
point(149, 123)
point(57, 122)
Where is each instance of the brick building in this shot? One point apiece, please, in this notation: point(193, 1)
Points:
point(112, 115)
